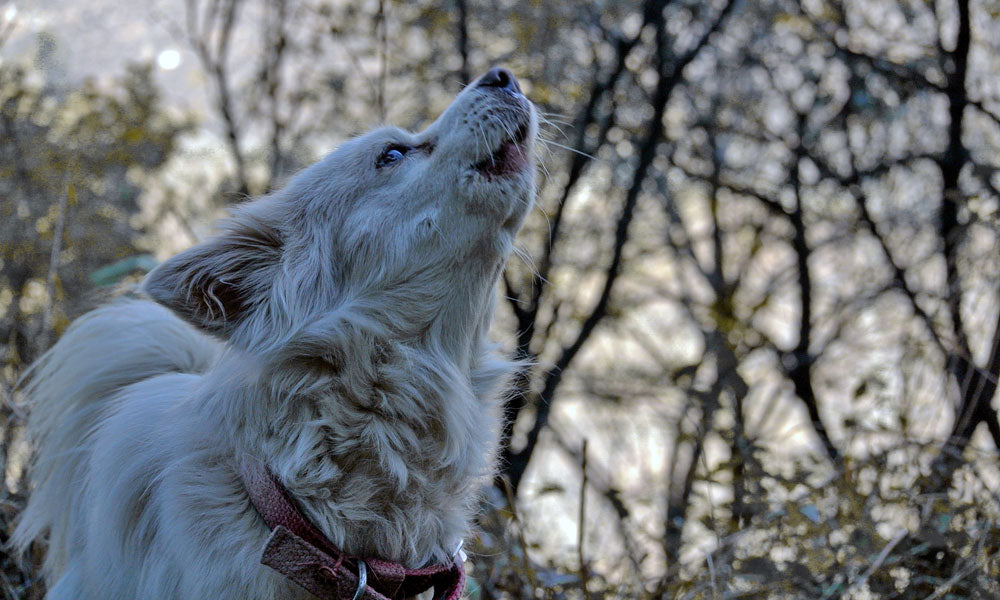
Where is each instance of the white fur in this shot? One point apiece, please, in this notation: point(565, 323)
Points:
point(335, 329)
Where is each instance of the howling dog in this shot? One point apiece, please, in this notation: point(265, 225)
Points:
point(311, 389)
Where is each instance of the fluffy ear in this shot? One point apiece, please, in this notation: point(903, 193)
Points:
point(217, 283)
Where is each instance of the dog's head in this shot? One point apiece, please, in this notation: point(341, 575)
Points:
point(413, 227)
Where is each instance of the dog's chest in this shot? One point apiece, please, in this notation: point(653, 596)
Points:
point(395, 478)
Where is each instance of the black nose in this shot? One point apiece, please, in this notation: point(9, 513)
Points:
point(499, 77)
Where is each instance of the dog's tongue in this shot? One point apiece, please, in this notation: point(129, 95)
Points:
point(509, 158)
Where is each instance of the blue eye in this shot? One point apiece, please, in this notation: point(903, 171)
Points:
point(392, 154)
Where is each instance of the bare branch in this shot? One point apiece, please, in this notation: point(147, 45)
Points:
point(382, 28)
point(277, 40)
point(666, 83)
point(463, 40)
point(45, 327)
point(220, 18)
point(801, 371)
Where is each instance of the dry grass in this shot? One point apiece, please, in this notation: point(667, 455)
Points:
point(867, 531)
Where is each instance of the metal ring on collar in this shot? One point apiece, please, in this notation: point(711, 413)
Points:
point(362, 580)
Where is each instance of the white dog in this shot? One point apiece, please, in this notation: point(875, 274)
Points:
point(319, 369)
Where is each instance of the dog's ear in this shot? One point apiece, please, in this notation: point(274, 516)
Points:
point(215, 284)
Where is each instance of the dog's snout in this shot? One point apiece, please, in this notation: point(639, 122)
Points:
point(499, 77)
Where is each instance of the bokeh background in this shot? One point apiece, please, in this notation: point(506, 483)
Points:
point(759, 291)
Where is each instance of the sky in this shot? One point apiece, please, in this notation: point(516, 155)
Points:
point(98, 38)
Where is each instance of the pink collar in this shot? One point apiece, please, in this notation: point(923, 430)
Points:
point(300, 552)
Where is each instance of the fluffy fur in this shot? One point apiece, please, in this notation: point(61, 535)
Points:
point(335, 329)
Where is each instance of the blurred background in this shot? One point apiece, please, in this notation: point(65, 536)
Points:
point(759, 291)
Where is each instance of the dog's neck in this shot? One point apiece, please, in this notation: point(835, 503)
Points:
point(384, 454)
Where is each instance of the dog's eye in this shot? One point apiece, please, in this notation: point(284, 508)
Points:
point(392, 154)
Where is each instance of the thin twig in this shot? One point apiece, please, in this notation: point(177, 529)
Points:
point(944, 587)
point(512, 503)
point(879, 560)
point(463, 40)
point(711, 575)
point(382, 25)
point(582, 520)
point(45, 331)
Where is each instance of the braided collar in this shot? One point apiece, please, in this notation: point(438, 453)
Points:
point(300, 552)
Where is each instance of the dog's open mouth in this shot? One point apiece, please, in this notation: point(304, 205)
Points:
point(511, 157)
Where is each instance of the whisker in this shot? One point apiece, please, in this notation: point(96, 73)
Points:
point(554, 114)
point(553, 123)
point(545, 169)
point(509, 134)
point(525, 257)
point(549, 154)
point(553, 135)
point(476, 136)
point(479, 131)
point(545, 213)
point(564, 147)
point(541, 162)
point(486, 140)
point(546, 135)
